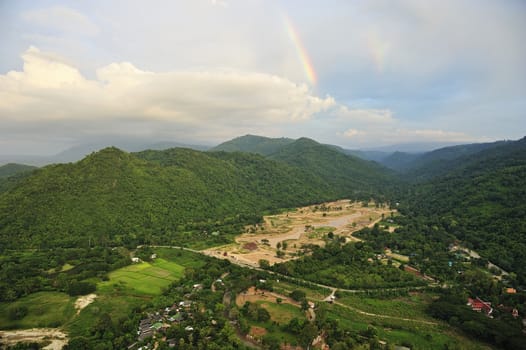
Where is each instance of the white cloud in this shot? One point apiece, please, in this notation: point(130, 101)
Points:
point(368, 116)
point(63, 19)
point(352, 133)
point(125, 99)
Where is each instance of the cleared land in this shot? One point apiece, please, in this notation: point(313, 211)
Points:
point(84, 301)
point(44, 309)
point(144, 278)
point(56, 338)
point(303, 226)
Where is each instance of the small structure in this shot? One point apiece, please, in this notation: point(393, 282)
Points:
point(480, 306)
point(511, 291)
point(135, 260)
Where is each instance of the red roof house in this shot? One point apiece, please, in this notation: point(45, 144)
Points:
point(480, 306)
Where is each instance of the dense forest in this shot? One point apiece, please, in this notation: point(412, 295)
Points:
point(175, 196)
point(480, 201)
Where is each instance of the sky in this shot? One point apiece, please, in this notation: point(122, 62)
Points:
point(358, 74)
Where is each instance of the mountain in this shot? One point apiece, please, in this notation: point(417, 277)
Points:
point(78, 152)
point(377, 156)
point(440, 161)
point(11, 169)
point(11, 173)
point(171, 196)
point(253, 144)
point(343, 171)
point(399, 161)
point(479, 198)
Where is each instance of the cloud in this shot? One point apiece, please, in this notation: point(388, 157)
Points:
point(51, 94)
point(397, 135)
point(62, 19)
point(352, 133)
point(368, 116)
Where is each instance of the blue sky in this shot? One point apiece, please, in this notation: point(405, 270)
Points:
point(352, 73)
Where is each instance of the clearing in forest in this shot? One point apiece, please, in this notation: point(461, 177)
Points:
point(291, 231)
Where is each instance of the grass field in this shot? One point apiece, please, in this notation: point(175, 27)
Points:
point(133, 286)
point(44, 309)
point(282, 313)
point(144, 278)
point(285, 287)
point(414, 334)
point(404, 306)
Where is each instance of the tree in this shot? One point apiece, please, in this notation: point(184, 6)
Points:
point(297, 295)
point(17, 312)
point(307, 334)
point(264, 263)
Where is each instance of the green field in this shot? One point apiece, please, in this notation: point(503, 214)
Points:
point(282, 313)
point(133, 286)
point(416, 335)
point(404, 306)
point(44, 309)
point(143, 278)
point(285, 287)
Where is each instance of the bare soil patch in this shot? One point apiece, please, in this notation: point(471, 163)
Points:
point(298, 228)
point(84, 301)
point(57, 337)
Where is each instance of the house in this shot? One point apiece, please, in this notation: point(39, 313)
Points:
point(186, 304)
point(480, 306)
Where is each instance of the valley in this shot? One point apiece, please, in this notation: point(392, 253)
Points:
point(224, 249)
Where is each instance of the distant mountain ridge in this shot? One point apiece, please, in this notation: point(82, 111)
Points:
point(78, 152)
point(438, 162)
point(253, 144)
point(11, 173)
point(11, 169)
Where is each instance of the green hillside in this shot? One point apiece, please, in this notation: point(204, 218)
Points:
point(254, 144)
point(480, 200)
point(175, 196)
point(11, 173)
point(11, 169)
point(344, 172)
point(436, 163)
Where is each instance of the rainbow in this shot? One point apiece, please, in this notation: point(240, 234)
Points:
point(308, 68)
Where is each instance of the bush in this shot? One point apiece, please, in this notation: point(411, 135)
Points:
point(80, 288)
point(17, 312)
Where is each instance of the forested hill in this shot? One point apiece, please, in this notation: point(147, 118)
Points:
point(423, 167)
point(11, 173)
point(333, 166)
point(254, 144)
point(480, 199)
point(11, 169)
point(113, 198)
